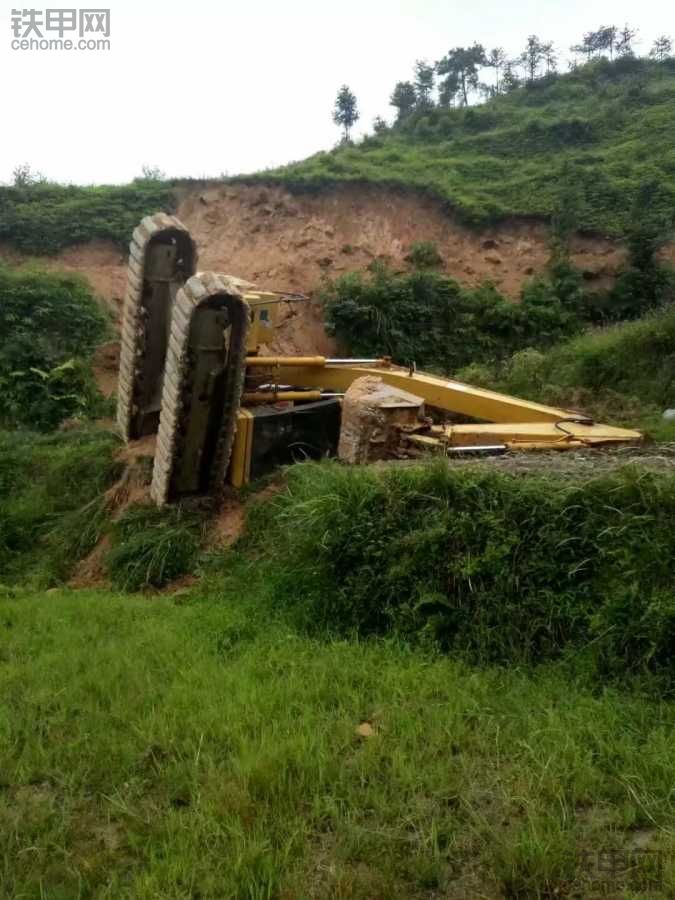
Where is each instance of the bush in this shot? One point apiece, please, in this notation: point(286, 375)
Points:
point(497, 567)
point(50, 324)
point(151, 547)
point(44, 217)
point(424, 255)
point(645, 283)
point(430, 319)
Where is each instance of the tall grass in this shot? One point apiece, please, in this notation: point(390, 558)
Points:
point(488, 565)
point(151, 547)
point(51, 491)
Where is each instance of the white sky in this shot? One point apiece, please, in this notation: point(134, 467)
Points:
point(203, 88)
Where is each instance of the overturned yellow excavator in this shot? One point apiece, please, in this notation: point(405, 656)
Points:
point(191, 373)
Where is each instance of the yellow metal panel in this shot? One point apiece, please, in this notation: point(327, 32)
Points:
point(264, 318)
point(240, 462)
point(560, 432)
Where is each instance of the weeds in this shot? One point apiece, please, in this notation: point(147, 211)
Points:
point(151, 547)
point(51, 490)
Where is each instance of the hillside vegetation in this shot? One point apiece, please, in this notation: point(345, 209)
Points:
point(44, 217)
point(606, 127)
point(624, 373)
point(50, 324)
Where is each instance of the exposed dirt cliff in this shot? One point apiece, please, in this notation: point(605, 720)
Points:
point(292, 241)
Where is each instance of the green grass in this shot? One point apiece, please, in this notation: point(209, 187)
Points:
point(604, 128)
point(199, 747)
point(624, 373)
point(51, 499)
point(488, 565)
point(45, 218)
point(152, 547)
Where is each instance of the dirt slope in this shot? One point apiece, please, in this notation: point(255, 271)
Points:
point(290, 241)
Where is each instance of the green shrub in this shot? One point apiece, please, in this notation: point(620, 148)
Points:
point(424, 255)
point(50, 324)
point(497, 567)
point(151, 547)
point(430, 319)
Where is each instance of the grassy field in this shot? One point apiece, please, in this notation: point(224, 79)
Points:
point(196, 745)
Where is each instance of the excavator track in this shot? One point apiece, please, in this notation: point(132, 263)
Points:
point(203, 384)
point(162, 256)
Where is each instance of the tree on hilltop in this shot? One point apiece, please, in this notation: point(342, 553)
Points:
point(460, 66)
point(403, 99)
point(662, 48)
point(425, 75)
point(496, 59)
point(345, 112)
point(624, 44)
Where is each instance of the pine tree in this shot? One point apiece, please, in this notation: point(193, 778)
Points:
point(403, 99)
point(662, 48)
point(424, 83)
point(461, 66)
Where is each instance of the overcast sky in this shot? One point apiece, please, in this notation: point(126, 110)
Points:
point(204, 88)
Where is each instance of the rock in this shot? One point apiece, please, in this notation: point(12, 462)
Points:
point(494, 258)
point(373, 414)
point(669, 415)
point(365, 730)
point(489, 244)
